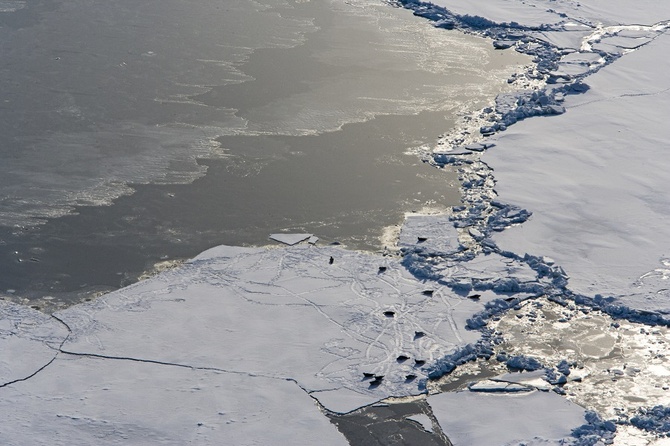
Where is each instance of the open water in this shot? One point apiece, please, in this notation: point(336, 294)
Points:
point(135, 131)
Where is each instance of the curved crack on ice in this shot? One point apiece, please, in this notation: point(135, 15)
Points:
point(9, 383)
point(32, 335)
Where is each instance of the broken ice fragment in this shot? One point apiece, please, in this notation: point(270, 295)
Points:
point(497, 386)
point(503, 44)
point(290, 239)
point(424, 420)
point(477, 147)
point(312, 240)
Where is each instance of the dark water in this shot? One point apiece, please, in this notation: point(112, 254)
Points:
point(137, 131)
point(391, 424)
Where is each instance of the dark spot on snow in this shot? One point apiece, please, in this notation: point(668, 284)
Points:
point(474, 296)
point(382, 269)
point(419, 362)
point(402, 358)
point(368, 375)
point(330, 262)
point(410, 378)
point(421, 239)
point(419, 334)
point(389, 313)
point(35, 307)
point(427, 292)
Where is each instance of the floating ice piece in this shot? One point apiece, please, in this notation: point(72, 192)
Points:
point(290, 239)
point(503, 44)
point(498, 386)
point(485, 419)
point(479, 147)
point(313, 240)
point(529, 379)
point(423, 420)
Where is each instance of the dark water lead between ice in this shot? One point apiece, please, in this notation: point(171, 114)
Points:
point(113, 113)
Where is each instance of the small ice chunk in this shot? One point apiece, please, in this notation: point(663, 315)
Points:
point(503, 44)
point(528, 379)
point(312, 240)
point(497, 386)
point(477, 147)
point(290, 239)
point(423, 420)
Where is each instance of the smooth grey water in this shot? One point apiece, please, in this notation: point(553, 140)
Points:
point(139, 131)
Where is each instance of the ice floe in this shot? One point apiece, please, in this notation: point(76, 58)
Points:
point(485, 419)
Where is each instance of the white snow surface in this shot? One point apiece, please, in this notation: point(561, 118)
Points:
point(286, 314)
point(28, 341)
point(94, 401)
point(533, 13)
point(595, 179)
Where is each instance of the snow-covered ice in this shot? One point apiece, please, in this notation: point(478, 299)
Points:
point(595, 180)
point(290, 239)
point(485, 419)
point(87, 400)
point(249, 345)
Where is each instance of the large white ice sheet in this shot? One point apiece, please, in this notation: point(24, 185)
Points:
point(29, 340)
point(539, 12)
point(327, 318)
point(595, 179)
point(93, 401)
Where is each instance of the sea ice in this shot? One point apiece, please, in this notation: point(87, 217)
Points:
point(284, 313)
point(29, 341)
point(290, 239)
point(88, 400)
point(595, 183)
point(424, 420)
point(485, 419)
